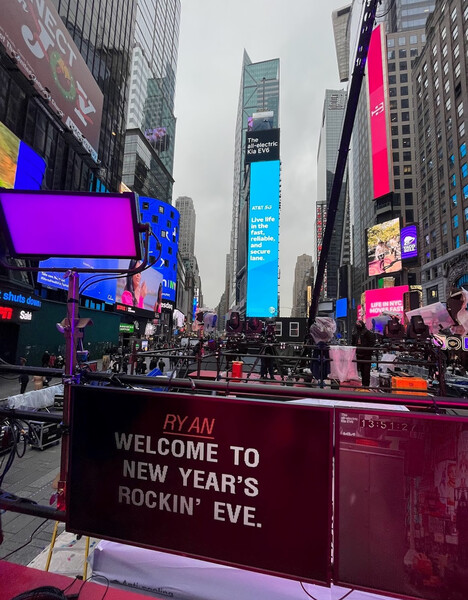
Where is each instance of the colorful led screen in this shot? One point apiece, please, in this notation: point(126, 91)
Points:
point(21, 167)
point(263, 230)
point(383, 303)
point(377, 108)
point(409, 242)
point(384, 248)
point(164, 221)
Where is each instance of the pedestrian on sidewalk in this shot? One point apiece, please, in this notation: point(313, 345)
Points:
point(23, 378)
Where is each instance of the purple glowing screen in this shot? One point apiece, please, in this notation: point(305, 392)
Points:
point(70, 224)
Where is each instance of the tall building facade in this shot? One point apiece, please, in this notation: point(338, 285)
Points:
point(301, 276)
point(150, 135)
point(403, 37)
point(76, 126)
point(441, 94)
point(188, 220)
point(259, 94)
point(330, 134)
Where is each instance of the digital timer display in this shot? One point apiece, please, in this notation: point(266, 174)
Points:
point(383, 425)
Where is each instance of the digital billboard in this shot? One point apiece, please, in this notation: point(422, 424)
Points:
point(158, 137)
point(377, 111)
point(262, 145)
point(99, 290)
point(140, 290)
point(409, 242)
point(341, 308)
point(260, 121)
point(384, 248)
point(38, 42)
point(263, 231)
point(164, 220)
point(383, 303)
point(21, 167)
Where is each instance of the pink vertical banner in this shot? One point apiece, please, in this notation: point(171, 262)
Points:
point(378, 124)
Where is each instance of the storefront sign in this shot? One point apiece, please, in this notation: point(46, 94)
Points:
point(240, 482)
point(15, 315)
point(126, 327)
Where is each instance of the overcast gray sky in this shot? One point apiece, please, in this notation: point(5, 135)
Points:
point(213, 36)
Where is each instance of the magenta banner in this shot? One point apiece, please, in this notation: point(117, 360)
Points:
point(245, 483)
point(377, 108)
point(37, 40)
point(401, 497)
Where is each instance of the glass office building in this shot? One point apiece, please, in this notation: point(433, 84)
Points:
point(149, 149)
point(259, 93)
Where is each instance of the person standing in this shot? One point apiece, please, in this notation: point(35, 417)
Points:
point(23, 378)
point(267, 365)
point(364, 340)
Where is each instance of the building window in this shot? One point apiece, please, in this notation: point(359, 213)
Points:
point(463, 150)
point(464, 170)
point(460, 109)
point(453, 179)
point(432, 294)
point(407, 155)
point(279, 328)
point(396, 170)
point(455, 221)
point(454, 199)
point(465, 192)
point(294, 329)
point(409, 198)
point(444, 228)
point(456, 241)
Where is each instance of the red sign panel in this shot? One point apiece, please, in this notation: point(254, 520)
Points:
point(240, 482)
point(402, 503)
point(37, 40)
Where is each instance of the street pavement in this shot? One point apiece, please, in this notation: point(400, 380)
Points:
point(30, 477)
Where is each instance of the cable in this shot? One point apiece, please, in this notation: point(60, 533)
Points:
point(386, 13)
point(89, 579)
point(28, 542)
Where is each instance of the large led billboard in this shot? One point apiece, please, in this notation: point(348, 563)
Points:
point(263, 231)
point(37, 41)
point(377, 113)
point(164, 220)
point(21, 167)
point(384, 248)
point(383, 303)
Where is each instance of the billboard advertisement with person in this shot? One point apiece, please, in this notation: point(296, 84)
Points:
point(384, 248)
point(140, 290)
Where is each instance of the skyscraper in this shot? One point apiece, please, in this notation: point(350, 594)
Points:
point(150, 136)
point(402, 37)
point(188, 219)
point(330, 134)
point(301, 274)
point(259, 98)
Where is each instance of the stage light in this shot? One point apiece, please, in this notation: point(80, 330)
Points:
point(394, 330)
point(417, 329)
